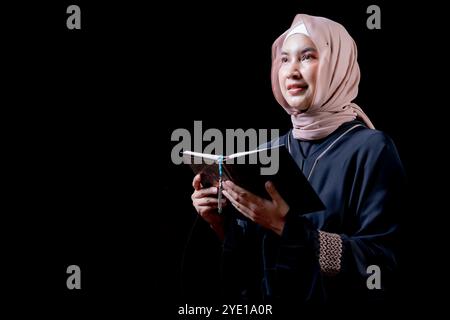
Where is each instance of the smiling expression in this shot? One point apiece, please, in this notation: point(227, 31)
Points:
point(298, 72)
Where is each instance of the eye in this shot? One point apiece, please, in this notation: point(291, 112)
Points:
point(307, 57)
point(284, 59)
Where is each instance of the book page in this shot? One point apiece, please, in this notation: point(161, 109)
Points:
point(241, 154)
point(203, 155)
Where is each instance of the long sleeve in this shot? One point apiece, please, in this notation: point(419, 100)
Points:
point(308, 263)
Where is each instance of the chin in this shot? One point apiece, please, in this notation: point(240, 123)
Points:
point(298, 106)
point(298, 109)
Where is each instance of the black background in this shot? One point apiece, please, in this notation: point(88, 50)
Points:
point(88, 119)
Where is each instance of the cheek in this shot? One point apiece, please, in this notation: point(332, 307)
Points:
point(281, 79)
point(312, 75)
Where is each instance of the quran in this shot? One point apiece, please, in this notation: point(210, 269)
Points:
point(285, 174)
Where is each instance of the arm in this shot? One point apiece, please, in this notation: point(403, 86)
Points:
point(302, 259)
point(342, 257)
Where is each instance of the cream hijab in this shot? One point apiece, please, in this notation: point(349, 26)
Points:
point(337, 79)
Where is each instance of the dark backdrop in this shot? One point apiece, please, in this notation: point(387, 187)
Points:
point(90, 115)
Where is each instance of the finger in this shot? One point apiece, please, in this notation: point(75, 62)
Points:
point(208, 202)
point(231, 185)
point(196, 183)
point(273, 192)
point(243, 196)
point(232, 194)
point(241, 208)
point(204, 193)
point(206, 208)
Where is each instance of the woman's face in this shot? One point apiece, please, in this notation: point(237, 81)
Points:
point(298, 72)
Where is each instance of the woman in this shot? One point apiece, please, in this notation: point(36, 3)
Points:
point(272, 253)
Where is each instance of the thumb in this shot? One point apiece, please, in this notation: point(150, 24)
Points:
point(196, 183)
point(276, 197)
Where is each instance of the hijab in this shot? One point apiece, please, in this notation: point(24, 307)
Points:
point(337, 79)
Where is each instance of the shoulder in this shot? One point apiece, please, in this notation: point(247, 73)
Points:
point(373, 145)
point(363, 138)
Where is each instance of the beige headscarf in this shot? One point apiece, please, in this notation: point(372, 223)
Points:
point(337, 79)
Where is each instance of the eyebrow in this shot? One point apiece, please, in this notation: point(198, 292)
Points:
point(307, 49)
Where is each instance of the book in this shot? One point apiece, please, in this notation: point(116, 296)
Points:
point(288, 179)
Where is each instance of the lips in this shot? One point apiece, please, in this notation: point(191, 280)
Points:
point(296, 88)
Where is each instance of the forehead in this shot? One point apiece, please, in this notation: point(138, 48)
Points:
point(297, 41)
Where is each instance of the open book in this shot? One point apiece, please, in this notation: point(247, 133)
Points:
point(287, 178)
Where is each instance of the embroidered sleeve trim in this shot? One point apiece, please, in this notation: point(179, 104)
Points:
point(330, 252)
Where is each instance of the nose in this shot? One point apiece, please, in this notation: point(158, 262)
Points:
point(294, 71)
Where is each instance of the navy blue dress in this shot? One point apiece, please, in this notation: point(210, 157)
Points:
point(324, 256)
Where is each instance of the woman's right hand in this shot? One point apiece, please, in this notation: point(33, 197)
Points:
point(205, 202)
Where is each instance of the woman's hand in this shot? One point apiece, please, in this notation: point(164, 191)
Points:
point(205, 202)
point(269, 214)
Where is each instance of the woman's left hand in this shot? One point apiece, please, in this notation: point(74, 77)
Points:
point(269, 214)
